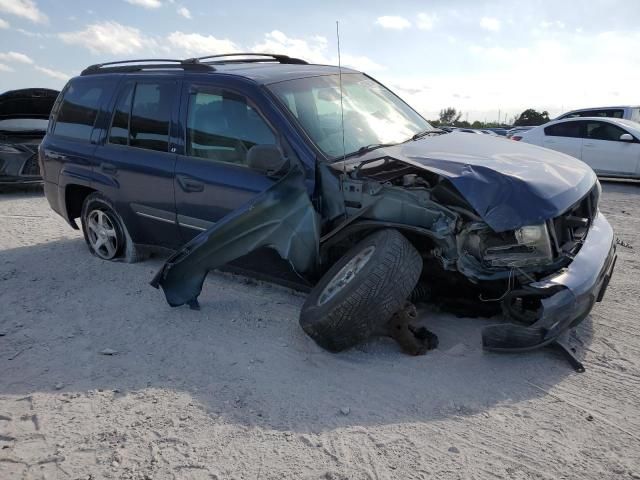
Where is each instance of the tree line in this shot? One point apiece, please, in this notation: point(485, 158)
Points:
point(451, 116)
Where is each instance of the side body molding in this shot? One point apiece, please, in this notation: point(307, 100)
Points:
point(282, 217)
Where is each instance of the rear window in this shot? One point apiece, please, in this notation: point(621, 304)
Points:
point(564, 129)
point(79, 109)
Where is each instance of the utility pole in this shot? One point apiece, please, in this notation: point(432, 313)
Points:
point(498, 116)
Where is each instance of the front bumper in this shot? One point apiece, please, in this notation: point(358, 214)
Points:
point(19, 169)
point(563, 299)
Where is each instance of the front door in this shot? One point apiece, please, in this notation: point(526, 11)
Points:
point(212, 177)
point(603, 150)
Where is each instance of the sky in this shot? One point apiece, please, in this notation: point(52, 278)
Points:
point(488, 59)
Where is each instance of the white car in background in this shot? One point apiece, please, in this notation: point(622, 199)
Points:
point(626, 113)
point(610, 146)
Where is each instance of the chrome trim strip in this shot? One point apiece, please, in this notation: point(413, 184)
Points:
point(153, 213)
point(146, 215)
point(195, 223)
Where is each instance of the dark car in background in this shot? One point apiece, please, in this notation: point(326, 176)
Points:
point(24, 115)
point(222, 156)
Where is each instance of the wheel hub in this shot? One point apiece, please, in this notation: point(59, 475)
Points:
point(346, 275)
point(102, 234)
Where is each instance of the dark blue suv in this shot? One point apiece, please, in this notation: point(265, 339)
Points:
point(223, 157)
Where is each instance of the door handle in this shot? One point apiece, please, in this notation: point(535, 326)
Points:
point(588, 145)
point(188, 184)
point(109, 168)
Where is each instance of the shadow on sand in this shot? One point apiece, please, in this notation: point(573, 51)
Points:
point(243, 356)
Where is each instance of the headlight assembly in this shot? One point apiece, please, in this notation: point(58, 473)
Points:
point(527, 246)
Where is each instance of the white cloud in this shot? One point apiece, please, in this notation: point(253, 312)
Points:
point(15, 57)
point(362, 63)
point(549, 24)
point(553, 73)
point(184, 11)
point(314, 50)
point(490, 23)
point(426, 21)
point(4, 24)
point(197, 44)
point(393, 22)
point(30, 34)
point(53, 73)
point(109, 37)
point(23, 8)
point(5, 68)
point(145, 3)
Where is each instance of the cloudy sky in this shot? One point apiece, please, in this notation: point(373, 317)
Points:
point(481, 57)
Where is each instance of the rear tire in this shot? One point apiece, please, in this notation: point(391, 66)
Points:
point(359, 294)
point(105, 232)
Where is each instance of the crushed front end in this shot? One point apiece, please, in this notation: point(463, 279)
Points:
point(544, 277)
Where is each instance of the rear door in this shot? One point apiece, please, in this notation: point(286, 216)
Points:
point(212, 177)
point(564, 137)
point(603, 150)
point(135, 163)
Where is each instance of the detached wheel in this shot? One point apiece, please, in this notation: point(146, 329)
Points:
point(360, 293)
point(105, 232)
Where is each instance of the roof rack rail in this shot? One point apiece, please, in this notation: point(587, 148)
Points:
point(261, 57)
point(128, 66)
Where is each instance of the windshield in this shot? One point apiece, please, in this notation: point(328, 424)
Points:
point(22, 124)
point(372, 114)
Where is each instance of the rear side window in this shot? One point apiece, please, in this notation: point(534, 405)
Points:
point(564, 129)
point(150, 115)
point(79, 108)
point(604, 112)
point(223, 126)
point(119, 131)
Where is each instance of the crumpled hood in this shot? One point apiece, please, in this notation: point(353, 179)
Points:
point(509, 184)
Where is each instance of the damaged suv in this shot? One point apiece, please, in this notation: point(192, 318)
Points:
point(227, 158)
point(24, 115)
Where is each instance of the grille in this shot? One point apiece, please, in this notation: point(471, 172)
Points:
point(571, 227)
point(31, 167)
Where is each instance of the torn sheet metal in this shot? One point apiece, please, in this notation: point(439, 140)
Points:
point(509, 184)
point(282, 217)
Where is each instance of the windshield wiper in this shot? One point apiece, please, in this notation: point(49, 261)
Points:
point(369, 148)
point(435, 131)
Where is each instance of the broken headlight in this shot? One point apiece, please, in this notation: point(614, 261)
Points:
point(527, 246)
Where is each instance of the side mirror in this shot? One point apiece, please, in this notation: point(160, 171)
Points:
point(626, 137)
point(267, 159)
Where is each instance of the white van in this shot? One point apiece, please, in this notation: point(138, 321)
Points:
point(626, 113)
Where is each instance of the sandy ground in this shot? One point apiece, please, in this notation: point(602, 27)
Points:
point(238, 391)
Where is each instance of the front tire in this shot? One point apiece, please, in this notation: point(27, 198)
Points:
point(358, 295)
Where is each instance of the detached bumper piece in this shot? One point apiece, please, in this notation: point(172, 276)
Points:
point(560, 301)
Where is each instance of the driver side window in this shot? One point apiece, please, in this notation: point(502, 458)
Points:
point(604, 131)
point(222, 126)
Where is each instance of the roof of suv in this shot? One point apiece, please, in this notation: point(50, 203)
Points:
point(266, 73)
point(260, 67)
